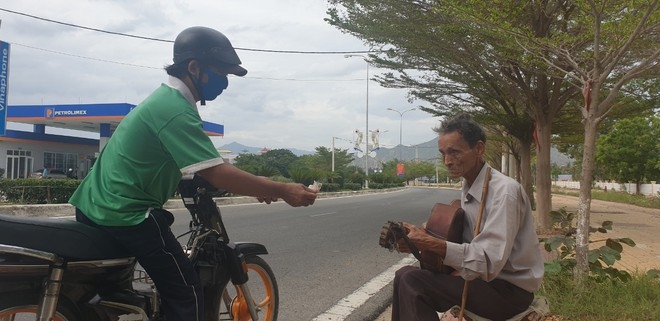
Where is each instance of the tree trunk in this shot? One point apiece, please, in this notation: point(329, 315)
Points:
point(525, 166)
point(543, 177)
point(584, 206)
point(591, 122)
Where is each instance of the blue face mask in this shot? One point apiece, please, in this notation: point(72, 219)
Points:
point(214, 87)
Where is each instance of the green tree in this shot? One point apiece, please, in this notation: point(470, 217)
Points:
point(552, 49)
point(249, 162)
point(388, 174)
point(303, 175)
point(617, 45)
point(461, 56)
point(342, 156)
point(601, 47)
point(329, 162)
point(269, 164)
point(639, 100)
point(630, 152)
point(419, 169)
point(307, 161)
point(280, 159)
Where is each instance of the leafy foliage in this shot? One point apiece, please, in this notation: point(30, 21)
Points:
point(630, 152)
point(463, 56)
point(303, 175)
point(37, 191)
point(280, 159)
point(319, 166)
point(601, 260)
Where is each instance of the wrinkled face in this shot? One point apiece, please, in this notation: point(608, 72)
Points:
point(459, 158)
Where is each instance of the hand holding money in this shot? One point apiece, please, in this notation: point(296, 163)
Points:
point(316, 186)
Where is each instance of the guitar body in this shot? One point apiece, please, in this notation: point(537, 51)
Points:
point(445, 222)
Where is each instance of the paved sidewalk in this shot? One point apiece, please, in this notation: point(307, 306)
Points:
point(637, 223)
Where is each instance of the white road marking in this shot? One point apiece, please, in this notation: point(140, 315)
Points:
point(347, 305)
point(323, 214)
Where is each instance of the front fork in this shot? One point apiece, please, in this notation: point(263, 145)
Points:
point(235, 305)
point(252, 308)
point(238, 272)
point(231, 265)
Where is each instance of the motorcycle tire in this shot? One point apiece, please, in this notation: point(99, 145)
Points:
point(24, 308)
point(264, 291)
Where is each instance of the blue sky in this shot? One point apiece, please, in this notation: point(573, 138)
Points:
point(286, 100)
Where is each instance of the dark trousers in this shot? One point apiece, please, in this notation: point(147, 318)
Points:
point(419, 294)
point(160, 254)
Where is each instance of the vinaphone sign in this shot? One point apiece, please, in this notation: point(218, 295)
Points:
point(4, 85)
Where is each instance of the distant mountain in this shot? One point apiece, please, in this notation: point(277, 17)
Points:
point(235, 148)
point(427, 151)
point(559, 159)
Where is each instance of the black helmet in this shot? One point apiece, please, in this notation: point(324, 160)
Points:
point(208, 46)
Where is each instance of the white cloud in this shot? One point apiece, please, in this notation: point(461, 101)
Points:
point(286, 100)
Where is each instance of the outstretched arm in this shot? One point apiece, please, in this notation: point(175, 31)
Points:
point(230, 178)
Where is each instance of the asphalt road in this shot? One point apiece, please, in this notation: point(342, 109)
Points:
point(323, 253)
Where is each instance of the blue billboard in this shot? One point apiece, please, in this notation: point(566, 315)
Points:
point(4, 85)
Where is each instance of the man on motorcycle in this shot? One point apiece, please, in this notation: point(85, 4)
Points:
point(157, 143)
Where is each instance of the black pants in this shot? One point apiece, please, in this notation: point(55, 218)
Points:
point(419, 294)
point(162, 257)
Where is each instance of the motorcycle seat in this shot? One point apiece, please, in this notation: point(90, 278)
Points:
point(74, 241)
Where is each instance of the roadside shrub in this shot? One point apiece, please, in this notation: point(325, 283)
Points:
point(281, 179)
point(601, 260)
point(330, 187)
point(37, 191)
point(377, 185)
point(353, 186)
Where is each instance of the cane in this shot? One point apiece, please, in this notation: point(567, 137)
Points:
point(476, 232)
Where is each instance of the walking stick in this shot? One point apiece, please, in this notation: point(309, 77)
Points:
point(476, 232)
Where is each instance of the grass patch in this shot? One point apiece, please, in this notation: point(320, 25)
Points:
point(610, 300)
point(605, 295)
point(618, 197)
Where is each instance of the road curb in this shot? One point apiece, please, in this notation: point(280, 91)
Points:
point(62, 210)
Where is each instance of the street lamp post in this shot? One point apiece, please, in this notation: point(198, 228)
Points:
point(366, 141)
point(401, 128)
point(333, 151)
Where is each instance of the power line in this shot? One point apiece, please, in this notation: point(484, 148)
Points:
point(83, 27)
point(172, 41)
point(306, 80)
point(84, 57)
point(150, 67)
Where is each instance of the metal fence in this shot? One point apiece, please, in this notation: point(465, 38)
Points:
point(652, 189)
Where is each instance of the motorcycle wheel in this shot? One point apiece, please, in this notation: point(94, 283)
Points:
point(264, 291)
point(18, 308)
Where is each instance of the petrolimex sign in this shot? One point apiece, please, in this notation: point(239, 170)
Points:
point(4, 85)
point(52, 113)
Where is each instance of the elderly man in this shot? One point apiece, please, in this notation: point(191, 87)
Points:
point(503, 262)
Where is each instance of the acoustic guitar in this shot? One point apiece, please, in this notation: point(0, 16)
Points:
point(444, 222)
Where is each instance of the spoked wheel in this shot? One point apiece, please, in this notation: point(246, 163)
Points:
point(262, 287)
point(16, 308)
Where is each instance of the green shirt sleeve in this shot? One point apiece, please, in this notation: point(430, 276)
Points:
point(191, 149)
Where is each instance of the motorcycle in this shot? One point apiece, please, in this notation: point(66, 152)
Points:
point(63, 270)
